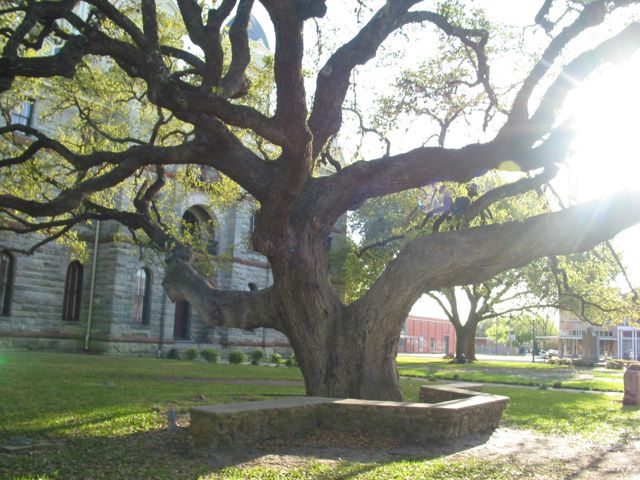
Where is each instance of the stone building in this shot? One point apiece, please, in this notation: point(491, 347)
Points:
point(114, 302)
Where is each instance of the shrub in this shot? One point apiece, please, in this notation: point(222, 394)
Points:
point(557, 385)
point(276, 358)
point(173, 354)
point(615, 364)
point(291, 361)
point(191, 354)
point(256, 356)
point(210, 355)
point(236, 356)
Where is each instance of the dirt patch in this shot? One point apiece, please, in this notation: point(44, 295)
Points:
point(575, 456)
point(553, 457)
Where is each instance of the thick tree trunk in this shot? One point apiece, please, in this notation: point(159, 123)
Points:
point(342, 351)
point(344, 364)
point(466, 341)
point(470, 346)
point(461, 342)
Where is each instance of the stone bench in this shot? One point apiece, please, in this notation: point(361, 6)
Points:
point(451, 391)
point(229, 425)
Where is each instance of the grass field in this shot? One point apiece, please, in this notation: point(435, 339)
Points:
point(105, 418)
point(513, 373)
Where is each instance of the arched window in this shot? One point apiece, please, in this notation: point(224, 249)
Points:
point(142, 297)
point(72, 291)
point(198, 223)
point(6, 282)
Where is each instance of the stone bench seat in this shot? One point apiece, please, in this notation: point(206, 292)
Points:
point(238, 424)
point(450, 391)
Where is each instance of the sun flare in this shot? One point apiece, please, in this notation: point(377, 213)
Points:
point(606, 151)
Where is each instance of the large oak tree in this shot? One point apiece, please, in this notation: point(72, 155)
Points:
point(175, 64)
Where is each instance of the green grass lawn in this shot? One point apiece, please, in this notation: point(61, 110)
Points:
point(105, 418)
point(513, 373)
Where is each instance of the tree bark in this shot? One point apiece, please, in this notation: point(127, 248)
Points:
point(340, 350)
point(346, 363)
point(466, 341)
point(470, 346)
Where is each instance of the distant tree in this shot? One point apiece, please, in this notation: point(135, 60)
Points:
point(498, 331)
point(579, 283)
point(171, 68)
point(525, 325)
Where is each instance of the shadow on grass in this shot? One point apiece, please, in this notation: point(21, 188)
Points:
point(160, 454)
point(624, 460)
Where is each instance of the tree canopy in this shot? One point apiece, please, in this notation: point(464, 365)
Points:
point(178, 96)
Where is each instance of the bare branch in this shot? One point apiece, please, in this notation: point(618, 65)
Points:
point(365, 129)
point(42, 142)
point(126, 163)
point(185, 56)
point(426, 165)
point(122, 21)
point(541, 17)
point(453, 318)
point(379, 244)
point(224, 308)
point(235, 83)
point(472, 255)
point(623, 270)
point(291, 102)
point(592, 15)
point(332, 82)
point(150, 22)
point(509, 190)
point(615, 50)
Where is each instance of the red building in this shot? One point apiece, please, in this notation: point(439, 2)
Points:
point(427, 335)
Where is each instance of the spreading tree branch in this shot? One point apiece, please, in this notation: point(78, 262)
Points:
point(473, 255)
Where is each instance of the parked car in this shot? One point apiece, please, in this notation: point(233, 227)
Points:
point(546, 354)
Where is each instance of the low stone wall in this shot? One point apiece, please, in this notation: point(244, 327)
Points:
point(231, 425)
point(450, 391)
point(416, 423)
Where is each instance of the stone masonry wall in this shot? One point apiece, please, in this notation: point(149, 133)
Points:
point(35, 317)
point(235, 425)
